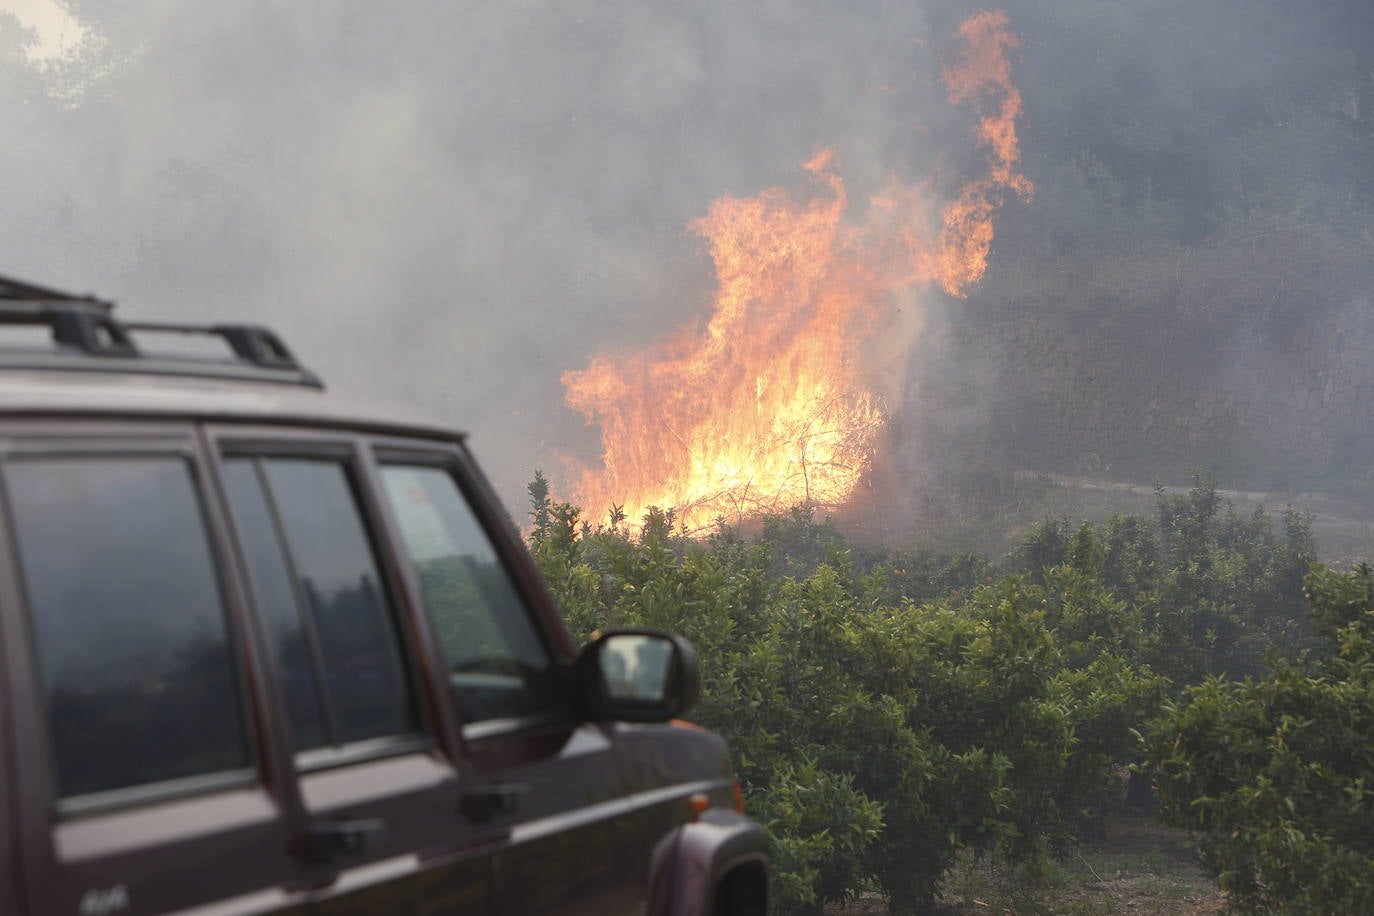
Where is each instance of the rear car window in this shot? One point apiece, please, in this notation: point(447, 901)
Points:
point(328, 617)
point(498, 667)
point(133, 649)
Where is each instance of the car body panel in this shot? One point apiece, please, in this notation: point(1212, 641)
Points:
point(148, 854)
point(561, 848)
point(692, 864)
point(108, 395)
point(11, 828)
point(553, 815)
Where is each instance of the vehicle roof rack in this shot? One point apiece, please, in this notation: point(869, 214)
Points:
point(86, 336)
point(12, 290)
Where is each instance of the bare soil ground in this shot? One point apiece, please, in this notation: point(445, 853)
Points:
point(1139, 867)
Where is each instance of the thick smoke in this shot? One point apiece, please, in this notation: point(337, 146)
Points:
point(456, 203)
point(450, 203)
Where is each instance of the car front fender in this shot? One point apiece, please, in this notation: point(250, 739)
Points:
point(722, 855)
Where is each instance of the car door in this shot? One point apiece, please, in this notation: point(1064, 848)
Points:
point(547, 790)
point(144, 782)
point(379, 784)
point(9, 832)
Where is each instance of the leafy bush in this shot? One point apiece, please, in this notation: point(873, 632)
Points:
point(1275, 776)
point(1204, 591)
point(891, 711)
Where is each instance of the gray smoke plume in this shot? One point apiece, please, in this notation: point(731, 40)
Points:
point(455, 203)
point(446, 203)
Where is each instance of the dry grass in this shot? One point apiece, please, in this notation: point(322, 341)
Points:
point(1139, 867)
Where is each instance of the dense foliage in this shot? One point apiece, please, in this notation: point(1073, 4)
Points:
point(891, 711)
point(1275, 775)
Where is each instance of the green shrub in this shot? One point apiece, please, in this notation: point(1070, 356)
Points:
point(890, 712)
point(1205, 590)
point(1275, 776)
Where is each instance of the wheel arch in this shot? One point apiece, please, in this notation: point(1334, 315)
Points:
point(717, 865)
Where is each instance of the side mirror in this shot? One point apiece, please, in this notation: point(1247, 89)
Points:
point(637, 675)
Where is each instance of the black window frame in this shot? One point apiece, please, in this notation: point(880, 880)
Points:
point(385, 452)
point(96, 441)
point(349, 452)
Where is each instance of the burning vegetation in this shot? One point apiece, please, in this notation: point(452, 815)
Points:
point(779, 398)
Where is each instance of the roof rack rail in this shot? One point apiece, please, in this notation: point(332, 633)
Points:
point(84, 326)
point(12, 290)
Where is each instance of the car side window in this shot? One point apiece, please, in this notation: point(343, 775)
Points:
point(132, 641)
point(498, 666)
point(328, 617)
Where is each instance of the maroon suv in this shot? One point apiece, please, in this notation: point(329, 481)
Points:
point(266, 650)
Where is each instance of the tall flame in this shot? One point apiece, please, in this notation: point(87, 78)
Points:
point(773, 403)
point(984, 69)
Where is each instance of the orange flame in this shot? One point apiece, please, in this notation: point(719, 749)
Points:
point(773, 403)
point(983, 69)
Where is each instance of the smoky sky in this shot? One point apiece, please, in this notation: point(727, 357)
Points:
point(454, 203)
point(451, 203)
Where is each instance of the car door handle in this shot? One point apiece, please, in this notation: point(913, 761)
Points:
point(345, 836)
point(496, 800)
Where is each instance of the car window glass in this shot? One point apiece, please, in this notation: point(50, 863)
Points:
point(316, 578)
point(293, 649)
point(498, 666)
point(132, 641)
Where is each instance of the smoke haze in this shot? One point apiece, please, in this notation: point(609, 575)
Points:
point(452, 203)
point(456, 203)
